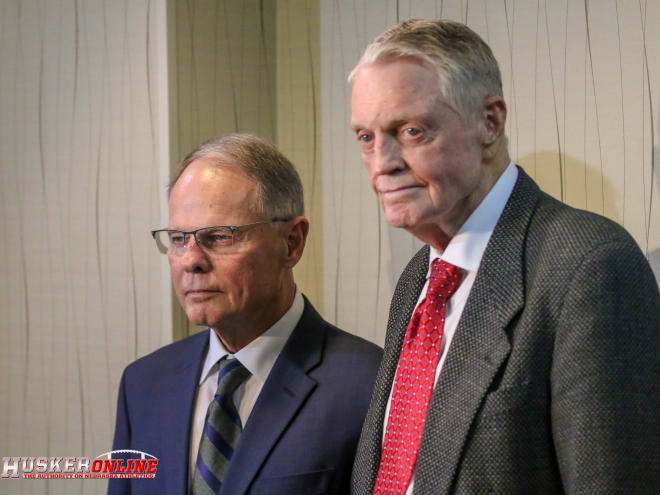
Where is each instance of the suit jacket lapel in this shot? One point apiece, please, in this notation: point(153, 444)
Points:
point(403, 304)
point(179, 397)
point(281, 397)
point(480, 346)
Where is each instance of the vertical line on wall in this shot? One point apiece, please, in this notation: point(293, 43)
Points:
point(43, 343)
point(26, 312)
point(18, 77)
point(49, 377)
point(216, 68)
point(231, 69)
point(652, 125)
point(564, 83)
point(536, 78)
point(129, 185)
point(593, 83)
point(97, 237)
point(40, 127)
point(241, 69)
point(486, 21)
point(554, 101)
point(289, 45)
point(338, 212)
point(269, 70)
point(509, 33)
point(75, 104)
point(194, 97)
point(623, 111)
point(643, 78)
point(313, 89)
point(6, 340)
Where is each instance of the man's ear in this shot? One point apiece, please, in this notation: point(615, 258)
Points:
point(493, 119)
point(295, 232)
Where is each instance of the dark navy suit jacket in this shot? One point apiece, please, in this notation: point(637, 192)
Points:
point(302, 433)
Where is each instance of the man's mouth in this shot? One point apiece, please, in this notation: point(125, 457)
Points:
point(398, 189)
point(201, 292)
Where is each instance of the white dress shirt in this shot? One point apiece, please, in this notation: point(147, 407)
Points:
point(465, 250)
point(258, 357)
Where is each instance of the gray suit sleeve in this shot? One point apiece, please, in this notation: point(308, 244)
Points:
point(606, 375)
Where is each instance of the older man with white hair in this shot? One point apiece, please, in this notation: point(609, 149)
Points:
point(522, 346)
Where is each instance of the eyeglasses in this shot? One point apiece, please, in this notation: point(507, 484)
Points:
point(213, 239)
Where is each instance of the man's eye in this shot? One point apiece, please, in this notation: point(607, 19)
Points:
point(412, 131)
point(218, 239)
point(364, 137)
point(177, 239)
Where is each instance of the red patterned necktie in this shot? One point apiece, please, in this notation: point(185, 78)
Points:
point(413, 384)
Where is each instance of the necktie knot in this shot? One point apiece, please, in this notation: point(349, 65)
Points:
point(230, 376)
point(444, 279)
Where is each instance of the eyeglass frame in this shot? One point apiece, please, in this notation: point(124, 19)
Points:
point(186, 234)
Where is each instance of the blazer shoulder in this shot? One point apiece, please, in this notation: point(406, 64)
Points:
point(569, 234)
point(550, 222)
point(173, 354)
point(563, 220)
point(341, 340)
point(338, 342)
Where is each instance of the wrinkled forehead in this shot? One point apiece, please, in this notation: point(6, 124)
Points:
point(393, 87)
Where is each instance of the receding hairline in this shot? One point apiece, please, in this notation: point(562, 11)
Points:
point(215, 163)
point(278, 185)
point(465, 63)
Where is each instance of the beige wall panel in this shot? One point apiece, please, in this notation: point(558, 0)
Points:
point(224, 70)
point(582, 83)
point(81, 149)
point(298, 125)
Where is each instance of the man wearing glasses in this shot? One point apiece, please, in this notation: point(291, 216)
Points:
point(272, 398)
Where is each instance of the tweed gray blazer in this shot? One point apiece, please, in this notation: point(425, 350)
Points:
point(552, 381)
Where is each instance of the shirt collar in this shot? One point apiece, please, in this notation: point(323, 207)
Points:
point(467, 247)
point(258, 356)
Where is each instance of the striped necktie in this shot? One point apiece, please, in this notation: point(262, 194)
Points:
point(222, 429)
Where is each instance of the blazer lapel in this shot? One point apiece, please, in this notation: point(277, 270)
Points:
point(405, 297)
point(480, 346)
point(179, 396)
point(281, 397)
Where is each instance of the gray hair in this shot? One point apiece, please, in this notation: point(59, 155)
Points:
point(279, 190)
point(465, 64)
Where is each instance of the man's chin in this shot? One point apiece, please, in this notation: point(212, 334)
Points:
point(197, 316)
point(400, 218)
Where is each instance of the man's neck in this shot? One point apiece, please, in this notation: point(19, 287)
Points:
point(237, 335)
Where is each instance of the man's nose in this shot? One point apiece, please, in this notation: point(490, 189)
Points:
point(194, 258)
point(387, 157)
